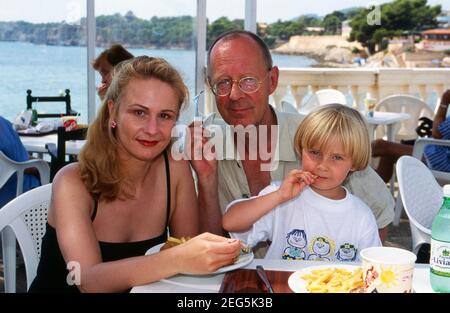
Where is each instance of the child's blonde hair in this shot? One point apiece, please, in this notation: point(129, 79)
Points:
point(336, 122)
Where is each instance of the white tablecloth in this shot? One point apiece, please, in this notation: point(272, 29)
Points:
point(37, 143)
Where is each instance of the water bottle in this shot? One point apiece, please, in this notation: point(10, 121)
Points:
point(34, 117)
point(350, 101)
point(440, 247)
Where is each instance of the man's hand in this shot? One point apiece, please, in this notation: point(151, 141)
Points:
point(202, 153)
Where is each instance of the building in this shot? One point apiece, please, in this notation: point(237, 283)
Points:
point(436, 39)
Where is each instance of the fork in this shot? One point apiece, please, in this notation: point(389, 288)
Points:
point(263, 276)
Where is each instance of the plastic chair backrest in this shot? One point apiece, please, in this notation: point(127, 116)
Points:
point(288, 107)
point(419, 146)
point(414, 106)
point(26, 216)
point(421, 196)
point(322, 97)
point(328, 96)
point(9, 167)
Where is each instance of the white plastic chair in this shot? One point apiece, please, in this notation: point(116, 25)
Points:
point(8, 168)
point(421, 196)
point(323, 97)
point(288, 107)
point(26, 217)
point(414, 106)
point(442, 177)
point(328, 96)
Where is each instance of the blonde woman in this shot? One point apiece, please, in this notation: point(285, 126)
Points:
point(310, 215)
point(125, 193)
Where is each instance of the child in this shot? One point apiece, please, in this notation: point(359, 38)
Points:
point(310, 215)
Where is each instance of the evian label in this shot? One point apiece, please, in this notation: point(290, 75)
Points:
point(440, 258)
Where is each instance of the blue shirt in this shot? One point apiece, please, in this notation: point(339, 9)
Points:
point(13, 148)
point(438, 157)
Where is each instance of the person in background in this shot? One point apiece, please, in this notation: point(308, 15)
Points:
point(13, 148)
point(241, 75)
point(126, 193)
point(310, 215)
point(437, 157)
point(105, 63)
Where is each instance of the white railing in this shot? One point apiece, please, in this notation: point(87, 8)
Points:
point(425, 83)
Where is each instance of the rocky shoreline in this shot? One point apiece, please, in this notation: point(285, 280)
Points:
point(328, 51)
point(337, 52)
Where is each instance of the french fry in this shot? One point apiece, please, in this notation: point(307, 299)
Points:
point(334, 280)
point(172, 241)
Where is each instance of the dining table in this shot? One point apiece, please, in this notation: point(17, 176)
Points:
point(214, 283)
point(388, 119)
point(36, 144)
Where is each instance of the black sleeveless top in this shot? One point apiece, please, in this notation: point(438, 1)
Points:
point(52, 273)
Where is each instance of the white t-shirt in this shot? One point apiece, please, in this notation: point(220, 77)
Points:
point(313, 227)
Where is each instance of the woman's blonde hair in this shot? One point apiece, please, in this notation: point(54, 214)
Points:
point(98, 160)
point(336, 122)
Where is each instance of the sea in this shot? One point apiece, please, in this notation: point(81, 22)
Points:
point(49, 70)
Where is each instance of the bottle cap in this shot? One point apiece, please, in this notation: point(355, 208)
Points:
point(447, 190)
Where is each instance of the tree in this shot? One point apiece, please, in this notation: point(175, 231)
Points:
point(332, 25)
point(396, 17)
point(220, 26)
point(284, 30)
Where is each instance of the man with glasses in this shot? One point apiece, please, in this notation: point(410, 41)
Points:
point(241, 76)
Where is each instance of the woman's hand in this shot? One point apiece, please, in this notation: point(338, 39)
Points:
point(294, 183)
point(101, 90)
point(206, 253)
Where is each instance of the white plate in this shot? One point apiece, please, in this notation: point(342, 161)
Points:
point(297, 284)
point(243, 260)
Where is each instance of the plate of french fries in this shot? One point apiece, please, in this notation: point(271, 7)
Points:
point(327, 279)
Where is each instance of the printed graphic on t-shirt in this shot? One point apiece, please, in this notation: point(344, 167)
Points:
point(297, 241)
point(346, 252)
point(321, 249)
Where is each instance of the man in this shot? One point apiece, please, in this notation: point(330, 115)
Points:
point(13, 148)
point(241, 76)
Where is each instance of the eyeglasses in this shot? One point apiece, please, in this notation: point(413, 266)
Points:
point(246, 84)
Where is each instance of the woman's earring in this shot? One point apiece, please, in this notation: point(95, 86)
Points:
point(113, 124)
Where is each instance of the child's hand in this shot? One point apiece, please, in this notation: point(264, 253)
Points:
point(294, 183)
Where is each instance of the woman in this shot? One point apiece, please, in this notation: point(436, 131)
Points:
point(126, 189)
point(105, 63)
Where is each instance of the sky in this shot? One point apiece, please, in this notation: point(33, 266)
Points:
point(269, 11)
